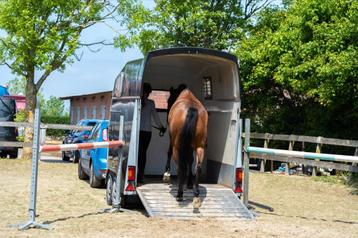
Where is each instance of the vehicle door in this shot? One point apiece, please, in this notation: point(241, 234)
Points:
point(89, 152)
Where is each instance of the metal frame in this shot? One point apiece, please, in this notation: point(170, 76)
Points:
point(35, 160)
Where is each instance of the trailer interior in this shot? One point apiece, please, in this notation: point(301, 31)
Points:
point(214, 81)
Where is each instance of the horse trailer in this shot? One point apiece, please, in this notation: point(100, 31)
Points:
point(213, 78)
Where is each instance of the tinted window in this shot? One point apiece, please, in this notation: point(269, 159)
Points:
point(7, 108)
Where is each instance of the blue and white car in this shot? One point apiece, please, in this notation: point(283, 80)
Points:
point(93, 162)
point(75, 137)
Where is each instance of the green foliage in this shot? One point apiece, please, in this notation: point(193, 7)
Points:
point(54, 107)
point(48, 119)
point(21, 116)
point(43, 36)
point(210, 24)
point(17, 86)
point(300, 69)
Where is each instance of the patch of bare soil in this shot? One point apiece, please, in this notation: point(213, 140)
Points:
point(286, 206)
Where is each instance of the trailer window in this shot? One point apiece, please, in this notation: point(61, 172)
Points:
point(207, 87)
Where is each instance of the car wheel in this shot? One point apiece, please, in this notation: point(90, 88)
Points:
point(3, 154)
point(93, 180)
point(81, 174)
point(109, 189)
point(13, 154)
point(76, 157)
point(65, 157)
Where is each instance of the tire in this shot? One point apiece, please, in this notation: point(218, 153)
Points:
point(109, 188)
point(81, 174)
point(93, 180)
point(76, 157)
point(65, 157)
point(114, 192)
point(13, 154)
point(3, 154)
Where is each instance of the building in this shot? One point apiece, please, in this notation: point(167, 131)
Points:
point(98, 105)
point(89, 106)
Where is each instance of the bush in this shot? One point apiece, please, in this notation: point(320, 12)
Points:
point(56, 120)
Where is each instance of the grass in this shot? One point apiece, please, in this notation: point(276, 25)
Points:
point(346, 178)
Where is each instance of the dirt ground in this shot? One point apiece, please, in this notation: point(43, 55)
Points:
point(286, 206)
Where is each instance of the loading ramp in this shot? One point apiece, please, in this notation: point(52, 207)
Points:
point(217, 202)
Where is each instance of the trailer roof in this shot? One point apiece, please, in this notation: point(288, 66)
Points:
point(192, 50)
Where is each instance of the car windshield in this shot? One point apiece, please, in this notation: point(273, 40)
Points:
point(91, 123)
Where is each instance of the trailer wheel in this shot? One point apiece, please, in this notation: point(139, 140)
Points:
point(93, 180)
point(81, 174)
point(114, 193)
point(109, 188)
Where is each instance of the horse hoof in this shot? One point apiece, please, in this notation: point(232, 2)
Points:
point(166, 177)
point(196, 203)
point(179, 199)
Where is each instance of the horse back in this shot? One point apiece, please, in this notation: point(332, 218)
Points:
point(178, 113)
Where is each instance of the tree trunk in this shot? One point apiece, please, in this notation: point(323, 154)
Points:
point(31, 95)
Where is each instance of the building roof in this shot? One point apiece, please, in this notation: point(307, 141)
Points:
point(83, 95)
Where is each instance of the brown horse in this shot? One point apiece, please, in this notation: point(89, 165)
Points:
point(188, 121)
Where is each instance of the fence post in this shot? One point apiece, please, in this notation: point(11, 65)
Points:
point(43, 136)
point(246, 163)
point(35, 161)
point(318, 150)
point(263, 161)
point(287, 167)
point(355, 154)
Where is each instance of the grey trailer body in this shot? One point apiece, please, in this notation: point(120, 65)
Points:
point(213, 78)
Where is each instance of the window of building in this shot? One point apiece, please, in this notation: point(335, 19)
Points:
point(73, 118)
point(94, 112)
point(103, 112)
point(78, 113)
point(85, 112)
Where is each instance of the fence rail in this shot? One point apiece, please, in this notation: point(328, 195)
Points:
point(308, 139)
point(295, 156)
point(45, 126)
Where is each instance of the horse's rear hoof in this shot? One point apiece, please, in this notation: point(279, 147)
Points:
point(166, 177)
point(179, 199)
point(196, 203)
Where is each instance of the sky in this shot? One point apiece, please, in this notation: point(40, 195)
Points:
point(95, 72)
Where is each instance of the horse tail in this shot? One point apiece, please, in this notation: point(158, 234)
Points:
point(186, 138)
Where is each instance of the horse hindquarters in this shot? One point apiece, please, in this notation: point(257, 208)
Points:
point(185, 147)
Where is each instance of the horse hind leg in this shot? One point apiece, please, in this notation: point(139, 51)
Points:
point(189, 184)
point(199, 160)
point(166, 176)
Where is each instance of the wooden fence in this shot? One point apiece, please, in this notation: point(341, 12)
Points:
point(43, 128)
point(292, 139)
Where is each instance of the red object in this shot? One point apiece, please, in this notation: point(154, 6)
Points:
point(68, 147)
point(130, 187)
point(131, 173)
point(239, 174)
point(20, 101)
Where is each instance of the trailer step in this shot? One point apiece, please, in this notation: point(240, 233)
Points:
point(217, 202)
